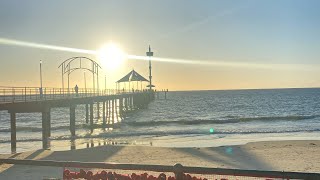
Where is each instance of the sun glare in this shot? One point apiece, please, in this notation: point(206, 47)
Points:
point(111, 56)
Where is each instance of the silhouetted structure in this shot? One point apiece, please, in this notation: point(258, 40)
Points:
point(149, 54)
point(115, 106)
point(132, 76)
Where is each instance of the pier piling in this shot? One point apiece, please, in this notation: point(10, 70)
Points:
point(121, 107)
point(87, 114)
point(104, 113)
point(45, 140)
point(113, 108)
point(125, 104)
point(13, 132)
point(98, 110)
point(91, 117)
point(117, 108)
point(73, 120)
point(48, 123)
point(108, 111)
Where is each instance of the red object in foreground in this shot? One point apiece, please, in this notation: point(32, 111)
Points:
point(103, 175)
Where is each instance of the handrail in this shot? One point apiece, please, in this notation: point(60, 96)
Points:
point(27, 94)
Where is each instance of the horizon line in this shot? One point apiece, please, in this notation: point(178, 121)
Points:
point(275, 88)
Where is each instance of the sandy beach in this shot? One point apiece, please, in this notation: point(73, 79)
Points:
point(297, 156)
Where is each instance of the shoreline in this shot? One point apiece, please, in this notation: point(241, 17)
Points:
point(170, 141)
point(295, 156)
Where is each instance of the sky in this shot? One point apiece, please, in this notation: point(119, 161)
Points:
point(208, 44)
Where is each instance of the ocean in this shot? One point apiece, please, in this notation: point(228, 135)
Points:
point(184, 119)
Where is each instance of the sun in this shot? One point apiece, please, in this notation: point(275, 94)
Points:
point(111, 56)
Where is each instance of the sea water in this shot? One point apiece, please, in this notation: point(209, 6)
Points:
point(184, 119)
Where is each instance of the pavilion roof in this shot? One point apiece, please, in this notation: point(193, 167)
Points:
point(132, 76)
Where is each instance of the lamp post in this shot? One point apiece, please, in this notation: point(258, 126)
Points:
point(105, 82)
point(41, 92)
point(149, 54)
point(85, 81)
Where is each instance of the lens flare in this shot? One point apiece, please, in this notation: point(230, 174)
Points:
point(211, 130)
point(229, 150)
point(44, 46)
point(113, 53)
point(230, 64)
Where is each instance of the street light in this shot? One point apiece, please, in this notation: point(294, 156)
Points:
point(105, 82)
point(40, 74)
point(150, 54)
point(41, 92)
point(85, 81)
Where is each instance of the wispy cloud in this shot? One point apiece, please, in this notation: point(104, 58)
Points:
point(198, 24)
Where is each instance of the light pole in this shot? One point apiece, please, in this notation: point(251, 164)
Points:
point(85, 81)
point(149, 54)
point(41, 92)
point(105, 82)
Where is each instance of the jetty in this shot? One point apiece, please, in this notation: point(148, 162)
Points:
point(115, 104)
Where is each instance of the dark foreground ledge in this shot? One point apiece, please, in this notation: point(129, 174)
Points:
point(178, 168)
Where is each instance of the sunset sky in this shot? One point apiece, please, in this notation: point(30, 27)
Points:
point(233, 44)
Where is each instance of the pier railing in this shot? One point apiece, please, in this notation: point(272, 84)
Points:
point(26, 94)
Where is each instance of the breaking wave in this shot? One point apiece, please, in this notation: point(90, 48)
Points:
point(222, 121)
point(226, 120)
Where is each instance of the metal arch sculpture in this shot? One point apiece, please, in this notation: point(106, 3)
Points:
point(67, 69)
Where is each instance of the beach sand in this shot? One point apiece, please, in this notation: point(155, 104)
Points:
point(298, 156)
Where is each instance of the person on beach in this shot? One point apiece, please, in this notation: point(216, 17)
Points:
point(76, 90)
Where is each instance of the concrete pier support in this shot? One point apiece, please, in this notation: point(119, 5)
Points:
point(48, 123)
point(13, 132)
point(45, 128)
point(73, 120)
point(98, 110)
point(131, 103)
point(112, 112)
point(107, 112)
point(104, 113)
point(73, 144)
point(91, 117)
point(121, 107)
point(87, 114)
point(127, 104)
point(116, 108)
